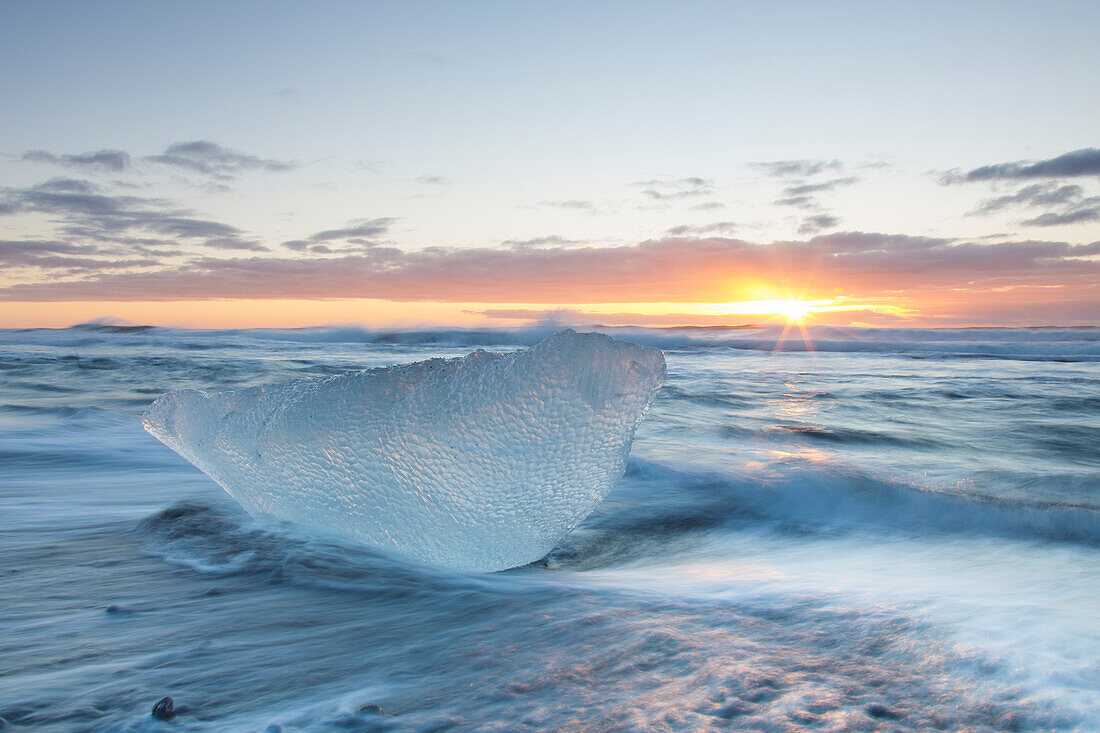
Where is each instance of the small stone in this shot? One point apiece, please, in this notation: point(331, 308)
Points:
point(371, 709)
point(115, 608)
point(165, 709)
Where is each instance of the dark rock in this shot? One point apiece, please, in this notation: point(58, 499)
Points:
point(878, 710)
point(165, 709)
point(115, 608)
point(371, 709)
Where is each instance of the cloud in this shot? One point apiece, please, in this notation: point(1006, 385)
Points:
point(798, 168)
point(575, 204)
point(65, 257)
point(861, 265)
point(1068, 203)
point(433, 180)
point(1037, 194)
point(105, 160)
point(801, 202)
point(1074, 216)
point(718, 227)
point(814, 224)
point(69, 185)
point(670, 189)
point(676, 183)
point(233, 242)
point(195, 156)
point(210, 158)
point(800, 195)
point(83, 211)
point(1084, 162)
point(808, 188)
point(12, 251)
point(552, 240)
point(358, 231)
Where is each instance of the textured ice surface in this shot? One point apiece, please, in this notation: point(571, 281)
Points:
point(478, 463)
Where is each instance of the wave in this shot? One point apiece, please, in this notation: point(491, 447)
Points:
point(457, 337)
point(220, 540)
point(661, 508)
point(847, 436)
point(106, 327)
point(70, 441)
point(1071, 344)
point(1038, 343)
point(707, 399)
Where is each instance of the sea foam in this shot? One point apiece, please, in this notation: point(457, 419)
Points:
point(478, 463)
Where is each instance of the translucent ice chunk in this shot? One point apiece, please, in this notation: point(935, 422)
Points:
point(477, 463)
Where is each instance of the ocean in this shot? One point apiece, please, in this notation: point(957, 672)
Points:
point(851, 529)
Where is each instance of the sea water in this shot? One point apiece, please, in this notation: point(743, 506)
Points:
point(851, 530)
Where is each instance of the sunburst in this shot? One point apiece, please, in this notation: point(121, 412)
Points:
point(794, 310)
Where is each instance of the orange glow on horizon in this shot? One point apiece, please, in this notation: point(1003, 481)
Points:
point(765, 306)
point(395, 314)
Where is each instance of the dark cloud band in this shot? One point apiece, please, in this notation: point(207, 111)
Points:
point(672, 269)
point(1084, 162)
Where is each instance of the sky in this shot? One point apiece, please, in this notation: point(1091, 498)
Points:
point(494, 163)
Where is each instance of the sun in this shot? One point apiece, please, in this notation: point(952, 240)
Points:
point(794, 310)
